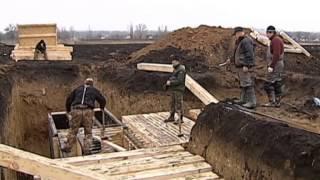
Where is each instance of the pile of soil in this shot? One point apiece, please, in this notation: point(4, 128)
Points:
point(241, 146)
point(205, 44)
point(103, 52)
point(5, 51)
point(203, 48)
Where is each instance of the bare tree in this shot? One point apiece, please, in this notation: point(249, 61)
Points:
point(141, 31)
point(72, 33)
point(131, 31)
point(11, 32)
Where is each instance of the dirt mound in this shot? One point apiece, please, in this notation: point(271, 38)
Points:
point(204, 47)
point(103, 52)
point(205, 43)
point(5, 51)
point(241, 146)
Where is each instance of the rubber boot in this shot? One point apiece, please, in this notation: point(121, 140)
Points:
point(272, 100)
point(278, 101)
point(180, 118)
point(250, 97)
point(242, 99)
point(170, 119)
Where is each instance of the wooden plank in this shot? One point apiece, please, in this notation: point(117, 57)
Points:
point(55, 147)
point(37, 35)
point(294, 43)
point(260, 38)
point(173, 129)
point(200, 176)
point(293, 51)
point(102, 158)
point(135, 127)
point(155, 67)
point(144, 164)
point(52, 126)
point(155, 132)
point(33, 164)
point(115, 146)
point(194, 113)
point(169, 172)
point(191, 84)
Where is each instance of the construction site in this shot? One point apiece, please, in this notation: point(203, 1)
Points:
point(219, 140)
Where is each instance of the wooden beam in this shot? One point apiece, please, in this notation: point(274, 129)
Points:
point(33, 164)
point(144, 164)
point(167, 173)
point(294, 47)
point(260, 38)
point(191, 84)
point(52, 126)
point(194, 113)
point(101, 158)
point(114, 146)
point(294, 43)
point(293, 51)
point(199, 176)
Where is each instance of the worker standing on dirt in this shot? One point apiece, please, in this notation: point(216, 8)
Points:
point(80, 104)
point(176, 84)
point(274, 80)
point(41, 48)
point(244, 61)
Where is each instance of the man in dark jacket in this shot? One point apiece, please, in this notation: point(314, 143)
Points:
point(80, 104)
point(41, 48)
point(176, 84)
point(244, 61)
point(275, 55)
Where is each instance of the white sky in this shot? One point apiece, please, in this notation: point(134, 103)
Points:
point(291, 15)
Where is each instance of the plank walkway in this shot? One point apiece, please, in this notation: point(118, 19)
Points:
point(167, 162)
point(153, 132)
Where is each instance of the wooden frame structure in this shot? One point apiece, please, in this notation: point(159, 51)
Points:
point(28, 37)
point(169, 162)
point(293, 47)
point(113, 129)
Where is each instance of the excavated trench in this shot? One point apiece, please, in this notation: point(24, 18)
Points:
point(232, 144)
point(32, 89)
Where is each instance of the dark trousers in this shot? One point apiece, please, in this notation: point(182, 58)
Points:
point(177, 103)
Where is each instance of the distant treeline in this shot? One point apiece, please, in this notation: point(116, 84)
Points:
point(134, 32)
point(137, 32)
point(305, 36)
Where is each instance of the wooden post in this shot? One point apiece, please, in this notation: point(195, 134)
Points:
point(191, 84)
point(294, 43)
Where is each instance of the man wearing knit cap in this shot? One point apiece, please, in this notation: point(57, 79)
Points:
point(275, 58)
point(80, 104)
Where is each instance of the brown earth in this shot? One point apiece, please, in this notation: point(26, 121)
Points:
point(31, 89)
point(241, 146)
point(203, 48)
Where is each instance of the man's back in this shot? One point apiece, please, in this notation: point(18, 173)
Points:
point(86, 95)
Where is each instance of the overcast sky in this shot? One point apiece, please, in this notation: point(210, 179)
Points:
point(118, 14)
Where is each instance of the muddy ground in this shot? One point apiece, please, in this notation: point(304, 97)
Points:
point(242, 146)
point(31, 89)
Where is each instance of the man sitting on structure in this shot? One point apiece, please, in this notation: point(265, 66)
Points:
point(41, 48)
point(80, 104)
